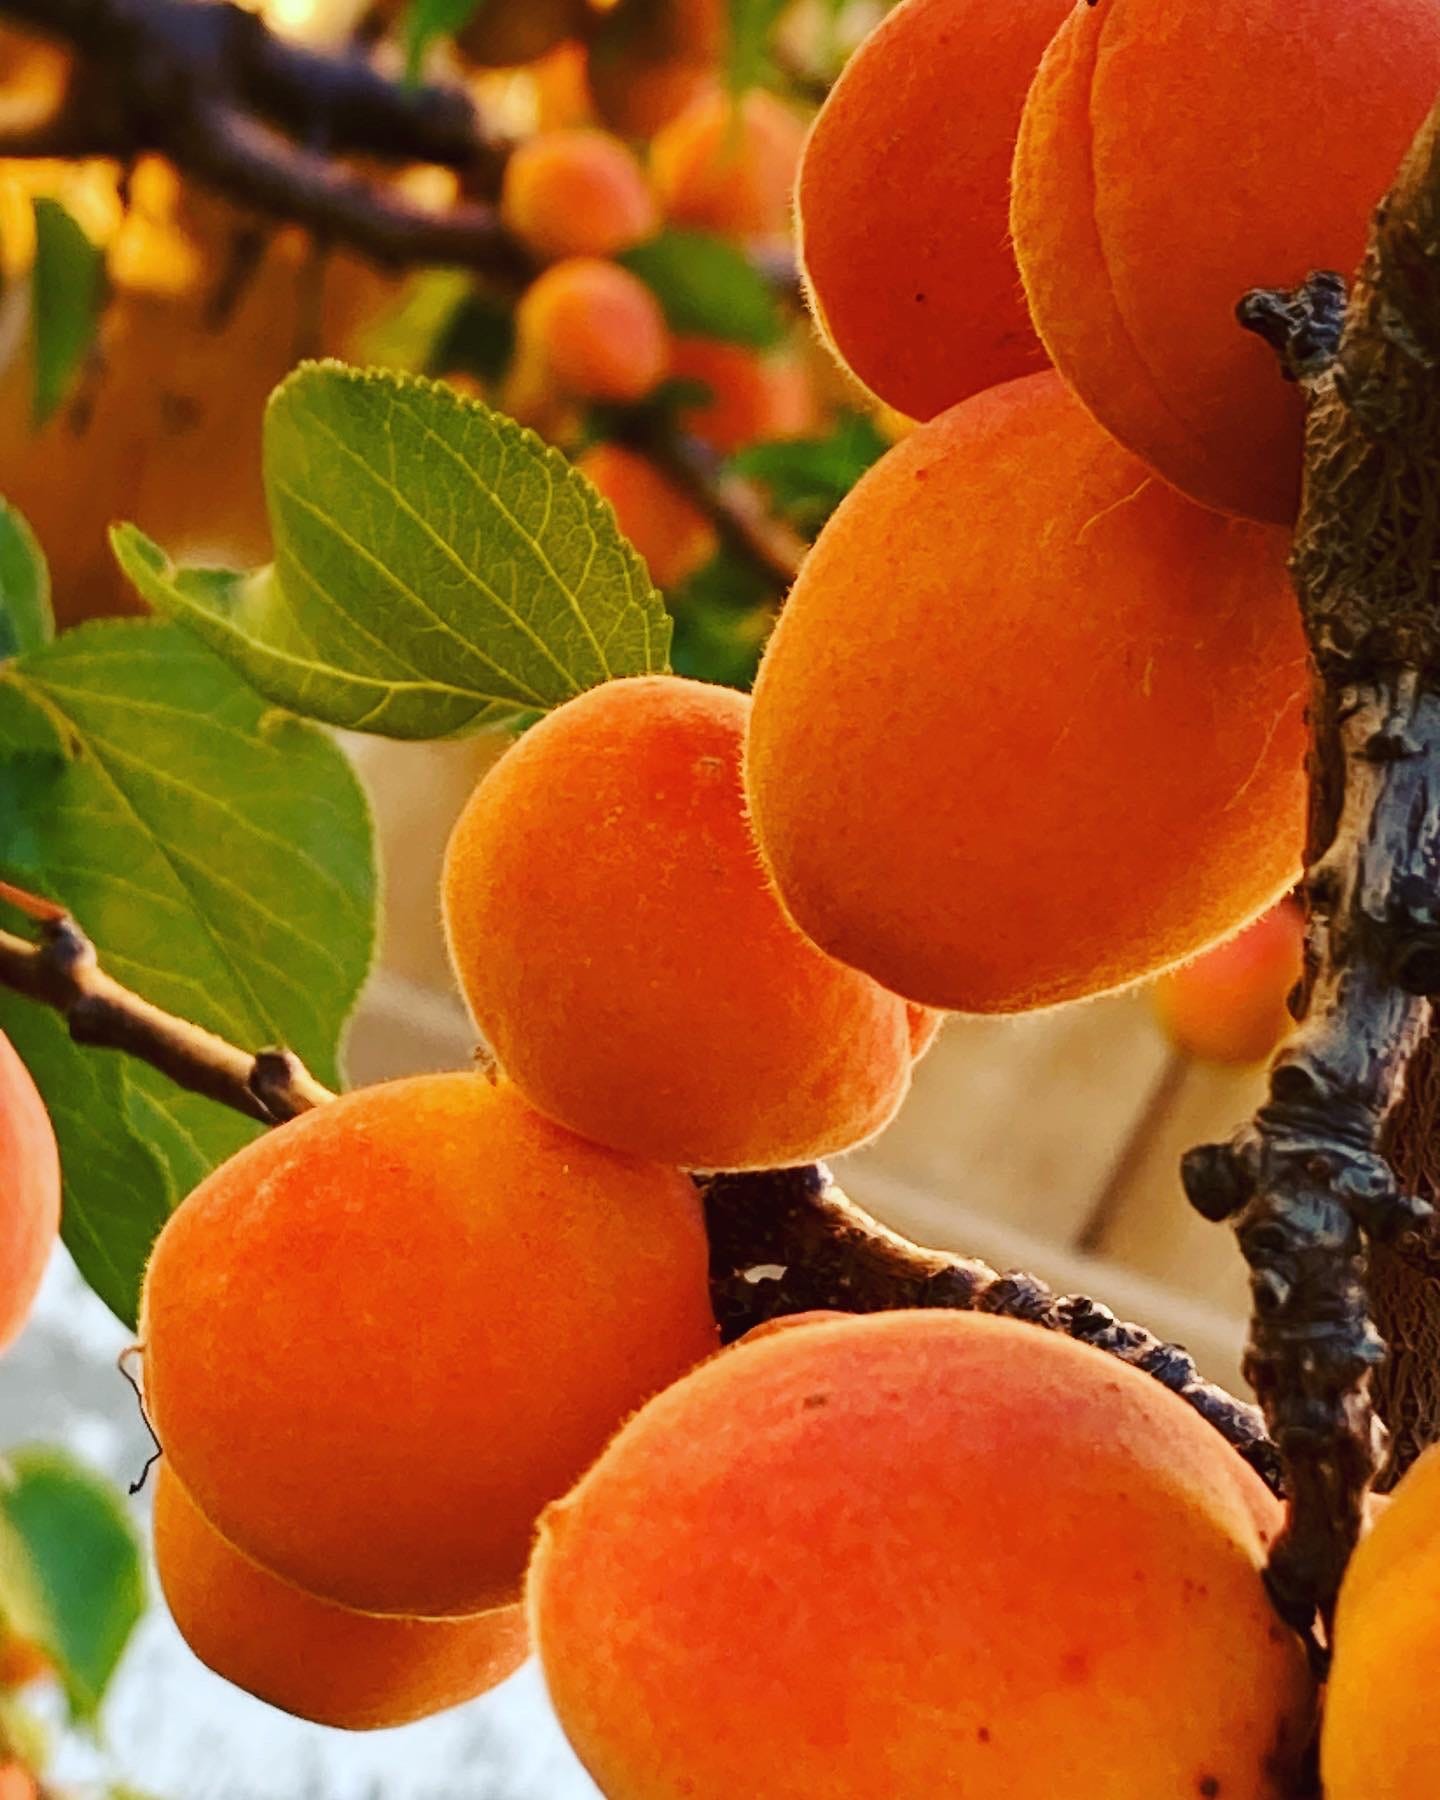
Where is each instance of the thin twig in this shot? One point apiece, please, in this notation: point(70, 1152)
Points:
point(60, 968)
point(1304, 1182)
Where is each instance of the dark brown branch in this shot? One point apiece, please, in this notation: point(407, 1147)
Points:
point(788, 1241)
point(733, 505)
point(61, 969)
point(1305, 1183)
point(241, 110)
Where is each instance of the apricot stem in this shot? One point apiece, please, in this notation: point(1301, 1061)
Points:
point(60, 968)
point(1305, 1184)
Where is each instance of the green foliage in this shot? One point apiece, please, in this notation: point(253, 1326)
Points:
point(722, 617)
point(26, 620)
point(708, 288)
point(68, 290)
point(437, 567)
point(430, 19)
point(71, 1575)
point(478, 338)
point(219, 854)
point(807, 478)
point(748, 63)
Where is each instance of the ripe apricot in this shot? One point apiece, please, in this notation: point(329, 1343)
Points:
point(1146, 203)
point(790, 1321)
point(1379, 1740)
point(501, 34)
point(754, 397)
point(322, 1662)
point(663, 524)
point(728, 165)
point(650, 59)
point(1031, 724)
point(912, 1554)
point(29, 1192)
point(903, 201)
point(17, 1783)
point(379, 1339)
point(578, 193)
point(594, 329)
point(626, 959)
point(1228, 1006)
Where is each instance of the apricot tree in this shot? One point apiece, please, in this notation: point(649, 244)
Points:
point(1031, 726)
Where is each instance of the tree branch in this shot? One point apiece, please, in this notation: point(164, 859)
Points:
point(61, 969)
point(1305, 1183)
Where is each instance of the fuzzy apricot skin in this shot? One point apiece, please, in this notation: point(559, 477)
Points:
point(594, 329)
point(577, 193)
point(754, 397)
point(1145, 205)
point(903, 201)
point(29, 1192)
point(378, 1340)
point(321, 1662)
point(664, 524)
point(1380, 1739)
point(1031, 724)
point(628, 963)
point(728, 165)
point(1229, 1005)
point(913, 1554)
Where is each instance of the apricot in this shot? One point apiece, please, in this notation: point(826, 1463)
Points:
point(1380, 1739)
point(29, 1192)
point(1146, 204)
point(912, 1554)
point(578, 193)
point(627, 961)
point(307, 1656)
point(754, 397)
point(17, 1782)
point(903, 201)
point(21, 1661)
point(1031, 725)
point(594, 329)
point(650, 59)
point(502, 34)
point(1229, 1005)
point(728, 165)
point(790, 1321)
point(379, 1339)
point(661, 521)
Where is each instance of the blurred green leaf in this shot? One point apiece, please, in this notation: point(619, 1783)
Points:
point(807, 478)
point(219, 854)
point(751, 23)
point(427, 20)
point(68, 290)
point(405, 334)
point(71, 1571)
point(26, 620)
point(438, 567)
point(723, 616)
point(478, 339)
point(708, 288)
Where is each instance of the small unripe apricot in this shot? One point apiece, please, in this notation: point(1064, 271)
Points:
point(1380, 1739)
point(903, 201)
point(577, 193)
point(322, 1662)
point(378, 1340)
point(1228, 1006)
point(627, 960)
point(754, 397)
point(29, 1192)
point(1031, 725)
point(918, 1554)
point(728, 165)
point(663, 524)
point(1133, 288)
point(595, 329)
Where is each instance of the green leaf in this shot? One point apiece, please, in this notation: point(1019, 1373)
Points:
point(430, 19)
point(808, 477)
point(708, 288)
point(71, 1573)
point(26, 620)
point(751, 23)
point(219, 854)
point(68, 290)
point(405, 335)
point(437, 567)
